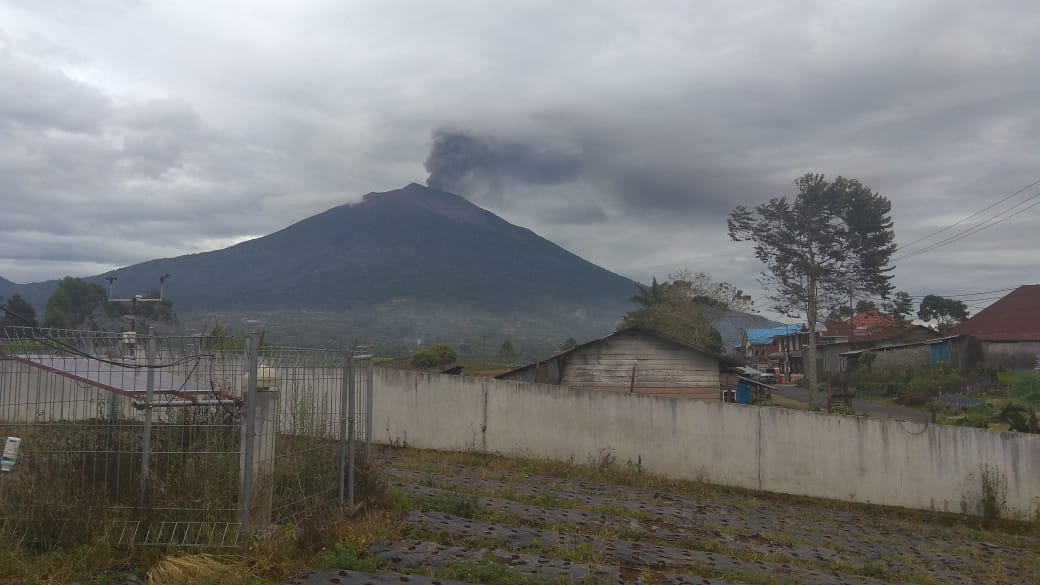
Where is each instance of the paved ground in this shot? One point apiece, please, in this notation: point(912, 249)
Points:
point(870, 408)
point(472, 517)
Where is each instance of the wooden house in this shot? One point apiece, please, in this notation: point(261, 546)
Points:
point(637, 361)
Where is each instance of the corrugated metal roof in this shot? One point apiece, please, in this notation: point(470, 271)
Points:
point(765, 336)
point(1016, 317)
point(902, 345)
point(515, 373)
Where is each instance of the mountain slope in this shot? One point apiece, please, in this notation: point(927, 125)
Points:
point(432, 255)
point(400, 267)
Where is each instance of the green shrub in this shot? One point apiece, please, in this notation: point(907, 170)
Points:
point(843, 409)
point(1024, 387)
point(978, 417)
point(1020, 417)
point(435, 356)
point(345, 557)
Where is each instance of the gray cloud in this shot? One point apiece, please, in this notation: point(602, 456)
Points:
point(144, 129)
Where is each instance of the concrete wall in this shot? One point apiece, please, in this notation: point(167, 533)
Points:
point(1019, 355)
point(849, 458)
point(915, 357)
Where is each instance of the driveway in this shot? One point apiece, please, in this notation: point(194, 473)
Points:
point(870, 408)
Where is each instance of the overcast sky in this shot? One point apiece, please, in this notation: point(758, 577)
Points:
point(624, 131)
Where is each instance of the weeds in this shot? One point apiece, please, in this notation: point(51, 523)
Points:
point(993, 500)
point(345, 556)
point(486, 572)
point(464, 506)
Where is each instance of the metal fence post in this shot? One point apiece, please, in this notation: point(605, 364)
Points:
point(368, 407)
point(248, 432)
point(351, 426)
point(344, 414)
point(146, 440)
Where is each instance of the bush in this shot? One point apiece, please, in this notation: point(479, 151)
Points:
point(843, 409)
point(1024, 387)
point(1020, 417)
point(345, 557)
point(441, 356)
point(978, 417)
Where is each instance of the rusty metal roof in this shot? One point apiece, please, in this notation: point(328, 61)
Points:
point(1016, 317)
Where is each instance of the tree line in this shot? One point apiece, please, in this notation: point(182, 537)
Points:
point(79, 304)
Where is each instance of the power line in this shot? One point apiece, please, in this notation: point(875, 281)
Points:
point(962, 295)
point(976, 214)
point(985, 224)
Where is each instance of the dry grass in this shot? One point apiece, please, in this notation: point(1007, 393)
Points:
point(785, 402)
point(201, 568)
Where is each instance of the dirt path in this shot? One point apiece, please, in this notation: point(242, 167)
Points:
point(869, 408)
point(492, 520)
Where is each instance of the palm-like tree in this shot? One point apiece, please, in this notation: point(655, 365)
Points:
point(650, 295)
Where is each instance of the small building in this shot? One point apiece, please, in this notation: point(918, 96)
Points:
point(835, 338)
point(762, 348)
point(1008, 330)
point(885, 332)
point(959, 352)
point(639, 361)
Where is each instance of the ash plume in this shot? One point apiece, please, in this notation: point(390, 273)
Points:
point(466, 163)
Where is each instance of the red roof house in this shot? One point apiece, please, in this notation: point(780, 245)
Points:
point(1015, 317)
point(1008, 331)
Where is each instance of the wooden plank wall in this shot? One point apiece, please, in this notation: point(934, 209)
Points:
point(643, 364)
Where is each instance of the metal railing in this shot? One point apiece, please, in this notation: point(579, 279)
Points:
point(189, 441)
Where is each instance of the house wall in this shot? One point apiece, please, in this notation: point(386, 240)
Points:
point(830, 358)
point(878, 461)
point(643, 365)
point(915, 357)
point(1018, 355)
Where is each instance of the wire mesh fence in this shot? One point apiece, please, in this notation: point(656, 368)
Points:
point(190, 441)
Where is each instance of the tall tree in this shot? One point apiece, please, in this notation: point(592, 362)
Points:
point(75, 304)
point(18, 312)
point(901, 306)
point(506, 351)
point(945, 312)
point(714, 296)
point(832, 241)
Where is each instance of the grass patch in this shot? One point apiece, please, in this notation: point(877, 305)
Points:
point(344, 556)
point(488, 573)
point(462, 505)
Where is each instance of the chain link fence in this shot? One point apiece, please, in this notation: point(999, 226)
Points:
point(187, 441)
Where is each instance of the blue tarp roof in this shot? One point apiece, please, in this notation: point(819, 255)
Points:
point(765, 336)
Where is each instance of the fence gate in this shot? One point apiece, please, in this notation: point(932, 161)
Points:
point(187, 441)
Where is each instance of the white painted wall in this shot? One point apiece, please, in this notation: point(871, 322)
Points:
point(879, 461)
point(876, 461)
